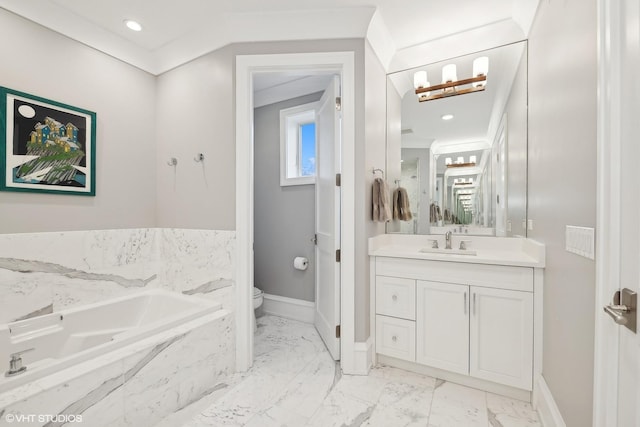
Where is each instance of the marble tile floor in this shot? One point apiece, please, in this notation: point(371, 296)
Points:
point(294, 382)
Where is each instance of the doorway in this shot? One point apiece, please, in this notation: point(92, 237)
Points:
point(342, 64)
point(297, 134)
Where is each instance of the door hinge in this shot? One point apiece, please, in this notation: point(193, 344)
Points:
point(338, 331)
point(338, 179)
point(338, 103)
point(337, 255)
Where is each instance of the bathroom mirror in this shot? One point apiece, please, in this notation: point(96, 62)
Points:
point(461, 154)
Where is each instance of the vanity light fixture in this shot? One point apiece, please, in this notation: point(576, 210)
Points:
point(450, 85)
point(460, 163)
point(133, 25)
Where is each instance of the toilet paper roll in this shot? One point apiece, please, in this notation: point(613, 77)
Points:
point(300, 263)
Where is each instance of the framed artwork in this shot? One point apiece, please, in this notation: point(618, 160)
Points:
point(46, 146)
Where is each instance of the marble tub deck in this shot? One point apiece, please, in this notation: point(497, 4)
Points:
point(294, 382)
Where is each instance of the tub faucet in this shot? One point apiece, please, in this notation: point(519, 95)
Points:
point(15, 365)
point(447, 238)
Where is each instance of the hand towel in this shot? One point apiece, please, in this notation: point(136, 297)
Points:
point(434, 213)
point(380, 201)
point(401, 209)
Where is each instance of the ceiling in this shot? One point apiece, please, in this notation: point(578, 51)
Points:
point(175, 32)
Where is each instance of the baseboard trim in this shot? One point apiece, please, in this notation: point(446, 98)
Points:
point(465, 380)
point(363, 357)
point(545, 404)
point(290, 308)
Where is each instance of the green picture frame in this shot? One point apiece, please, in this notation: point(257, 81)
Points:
point(46, 146)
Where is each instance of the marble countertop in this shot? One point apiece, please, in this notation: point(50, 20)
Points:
point(509, 251)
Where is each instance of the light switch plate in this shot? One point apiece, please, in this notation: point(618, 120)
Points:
point(581, 241)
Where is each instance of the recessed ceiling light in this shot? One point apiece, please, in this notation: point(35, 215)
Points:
point(447, 117)
point(133, 25)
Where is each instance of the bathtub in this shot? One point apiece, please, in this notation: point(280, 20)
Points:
point(128, 361)
point(72, 336)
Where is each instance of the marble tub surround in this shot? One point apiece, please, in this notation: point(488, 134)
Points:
point(512, 251)
point(41, 272)
point(294, 382)
point(196, 261)
point(138, 385)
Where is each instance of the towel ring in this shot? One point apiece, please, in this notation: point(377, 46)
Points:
point(378, 170)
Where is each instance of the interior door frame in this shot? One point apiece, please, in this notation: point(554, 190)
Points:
point(342, 63)
point(609, 205)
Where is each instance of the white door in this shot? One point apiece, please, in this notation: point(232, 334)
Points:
point(501, 344)
point(442, 326)
point(617, 376)
point(327, 314)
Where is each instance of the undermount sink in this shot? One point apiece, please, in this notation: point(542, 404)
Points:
point(448, 251)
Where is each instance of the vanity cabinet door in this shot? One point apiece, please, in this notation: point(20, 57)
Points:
point(442, 326)
point(502, 336)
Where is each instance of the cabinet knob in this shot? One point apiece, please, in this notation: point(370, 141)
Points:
point(394, 297)
point(394, 338)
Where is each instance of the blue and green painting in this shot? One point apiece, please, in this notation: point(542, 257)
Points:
point(51, 144)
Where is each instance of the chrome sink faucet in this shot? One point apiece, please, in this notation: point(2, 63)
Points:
point(447, 238)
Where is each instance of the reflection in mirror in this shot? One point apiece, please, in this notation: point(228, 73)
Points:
point(460, 148)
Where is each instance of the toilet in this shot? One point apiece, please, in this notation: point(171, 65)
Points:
point(258, 297)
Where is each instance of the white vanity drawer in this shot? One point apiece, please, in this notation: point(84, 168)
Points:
point(396, 297)
point(485, 275)
point(396, 337)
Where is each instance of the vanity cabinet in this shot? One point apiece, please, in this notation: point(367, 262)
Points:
point(470, 319)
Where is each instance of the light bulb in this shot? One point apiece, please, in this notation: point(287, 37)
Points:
point(420, 79)
point(449, 73)
point(481, 66)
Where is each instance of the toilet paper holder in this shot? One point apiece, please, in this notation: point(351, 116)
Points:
point(300, 263)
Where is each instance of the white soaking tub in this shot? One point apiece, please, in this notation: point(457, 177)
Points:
point(67, 338)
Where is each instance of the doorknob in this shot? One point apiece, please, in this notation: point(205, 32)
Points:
point(624, 309)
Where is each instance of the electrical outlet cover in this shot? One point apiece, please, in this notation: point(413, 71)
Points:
point(580, 241)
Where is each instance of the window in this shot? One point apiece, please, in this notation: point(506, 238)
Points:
point(298, 145)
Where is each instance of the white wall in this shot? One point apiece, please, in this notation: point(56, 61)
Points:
point(371, 148)
point(394, 142)
point(562, 191)
point(195, 115)
point(123, 98)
